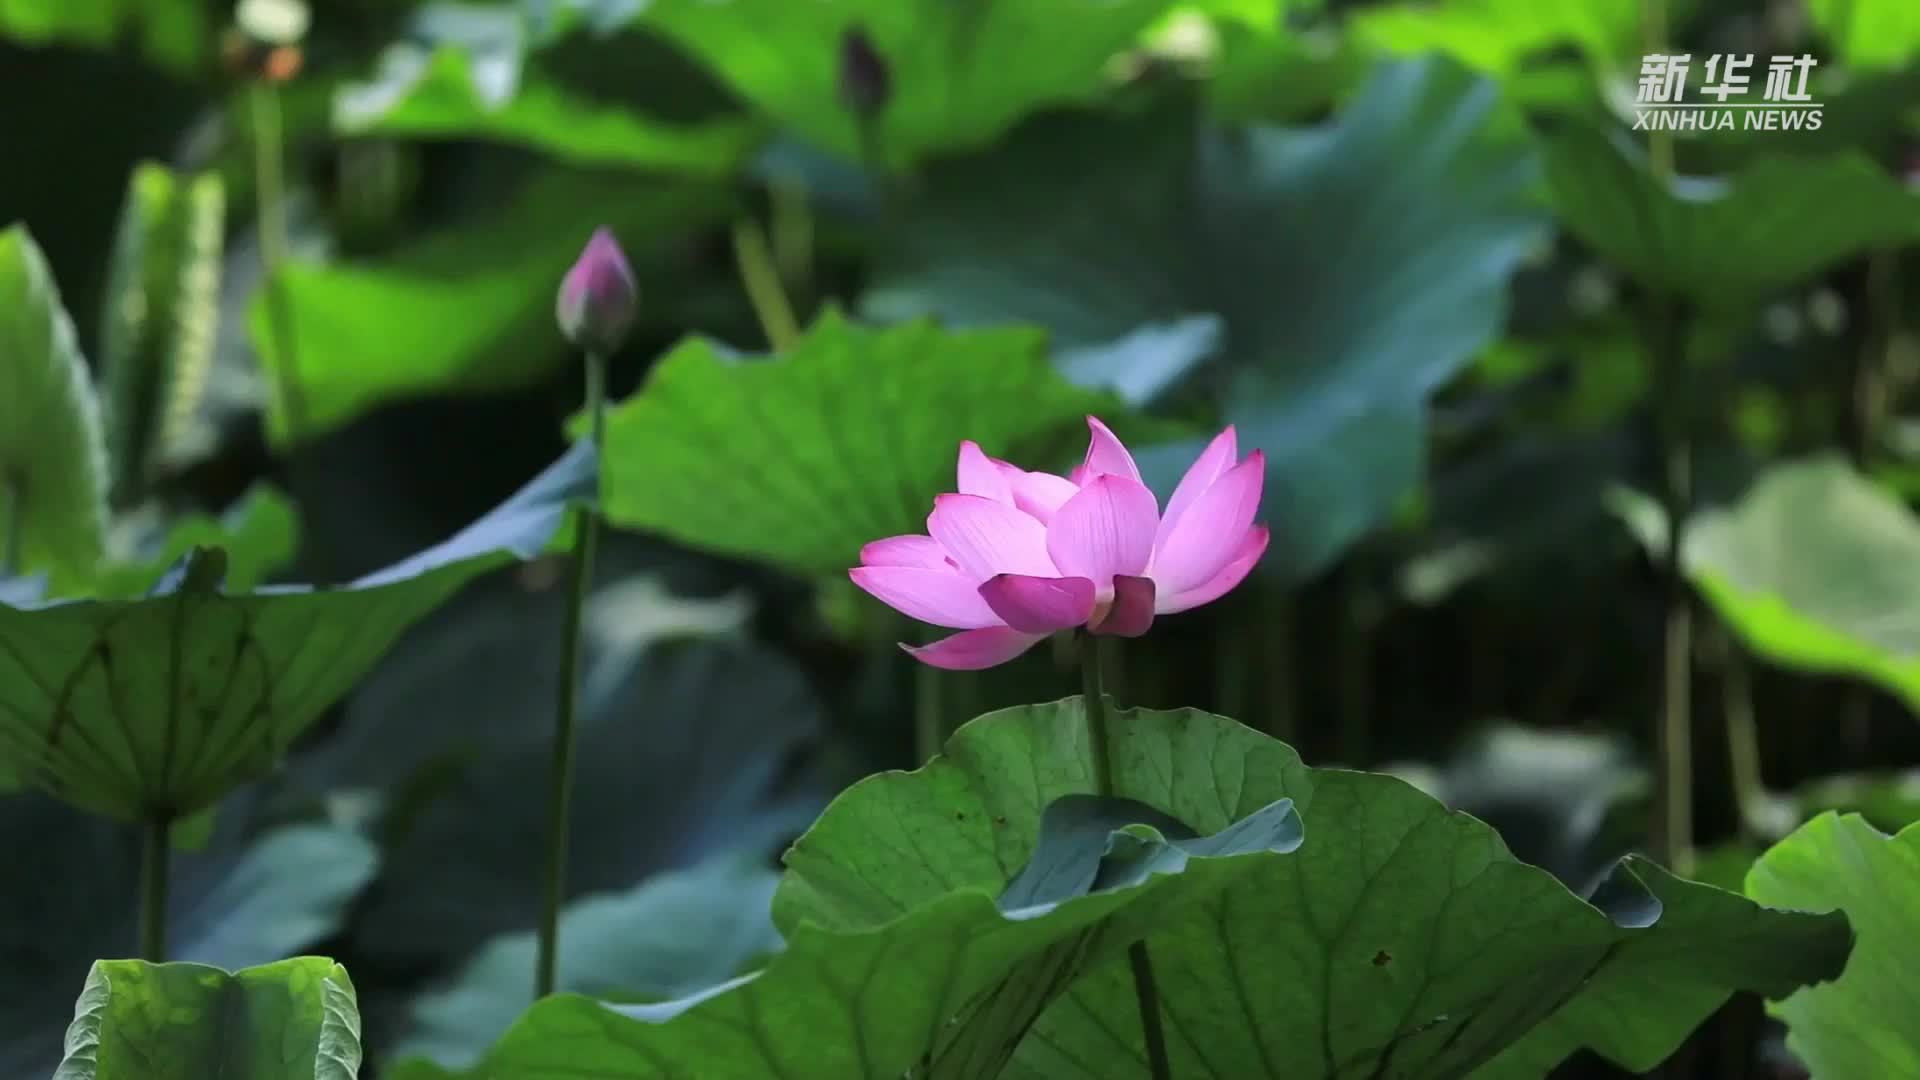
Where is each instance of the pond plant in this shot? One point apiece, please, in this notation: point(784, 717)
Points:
point(687, 540)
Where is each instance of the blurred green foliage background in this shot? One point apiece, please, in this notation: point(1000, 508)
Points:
point(1492, 338)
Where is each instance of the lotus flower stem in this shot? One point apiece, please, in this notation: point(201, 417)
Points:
point(1673, 741)
point(1667, 338)
point(1743, 740)
point(1233, 665)
point(1354, 649)
point(792, 231)
point(16, 511)
point(270, 203)
point(929, 719)
point(1093, 654)
point(1653, 38)
point(156, 843)
point(1273, 657)
point(1863, 401)
point(586, 523)
point(761, 278)
point(1093, 692)
point(1147, 992)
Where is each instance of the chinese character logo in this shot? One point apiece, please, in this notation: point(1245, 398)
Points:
point(1663, 79)
point(1726, 76)
point(1787, 78)
point(1725, 100)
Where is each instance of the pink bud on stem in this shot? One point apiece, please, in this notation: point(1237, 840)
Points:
point(866, 84)
point(598, 297)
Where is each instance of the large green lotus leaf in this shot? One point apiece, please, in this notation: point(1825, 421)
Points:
point(439, 96)
point(1779, 220)
point(1504, 35)
point(1862, 111)
point(292, 1020)
point(53, 511)
point(1862, 1023)
point(248, 898)
point(1356, 266)
point(674, 935)
point(1813, 568)
point(162, 306)
point(1514, 513)
point(961, 73)
point(798, 460)
point(1869, 33)
point(158, 706)
point(471, 73)
point(944, 990)
point(1402, 940)
point(469, 308)
point(175, 34)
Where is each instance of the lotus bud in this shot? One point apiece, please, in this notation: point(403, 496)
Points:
point(865, 83)
point(598, 298)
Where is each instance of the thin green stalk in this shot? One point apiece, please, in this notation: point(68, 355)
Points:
point(1653, 38)
point(156, 845)
point(1861, 408)
point(873, 161)
point(761, 278)
point(586, 523)
point(1673, 742)
point(1743, 742)
point(1093, 692)
point(792, 230)
point(270, 225)
point(270, 209)
point(10, 555)
point(1354, 657)
point(929, 713)
point(1236, 639)
point(1272, 658)
point(1113, 668)
point(1149, 674)
point(960, 698)
point(1146, 990)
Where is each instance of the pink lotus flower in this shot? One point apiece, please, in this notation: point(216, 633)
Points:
point(598, 298)
point(1018, 555)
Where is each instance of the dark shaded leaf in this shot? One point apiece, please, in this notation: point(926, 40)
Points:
point(1356, 267)
point(157, 707)
point(675, 935)
point(242, 901)
point(1776, 222)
